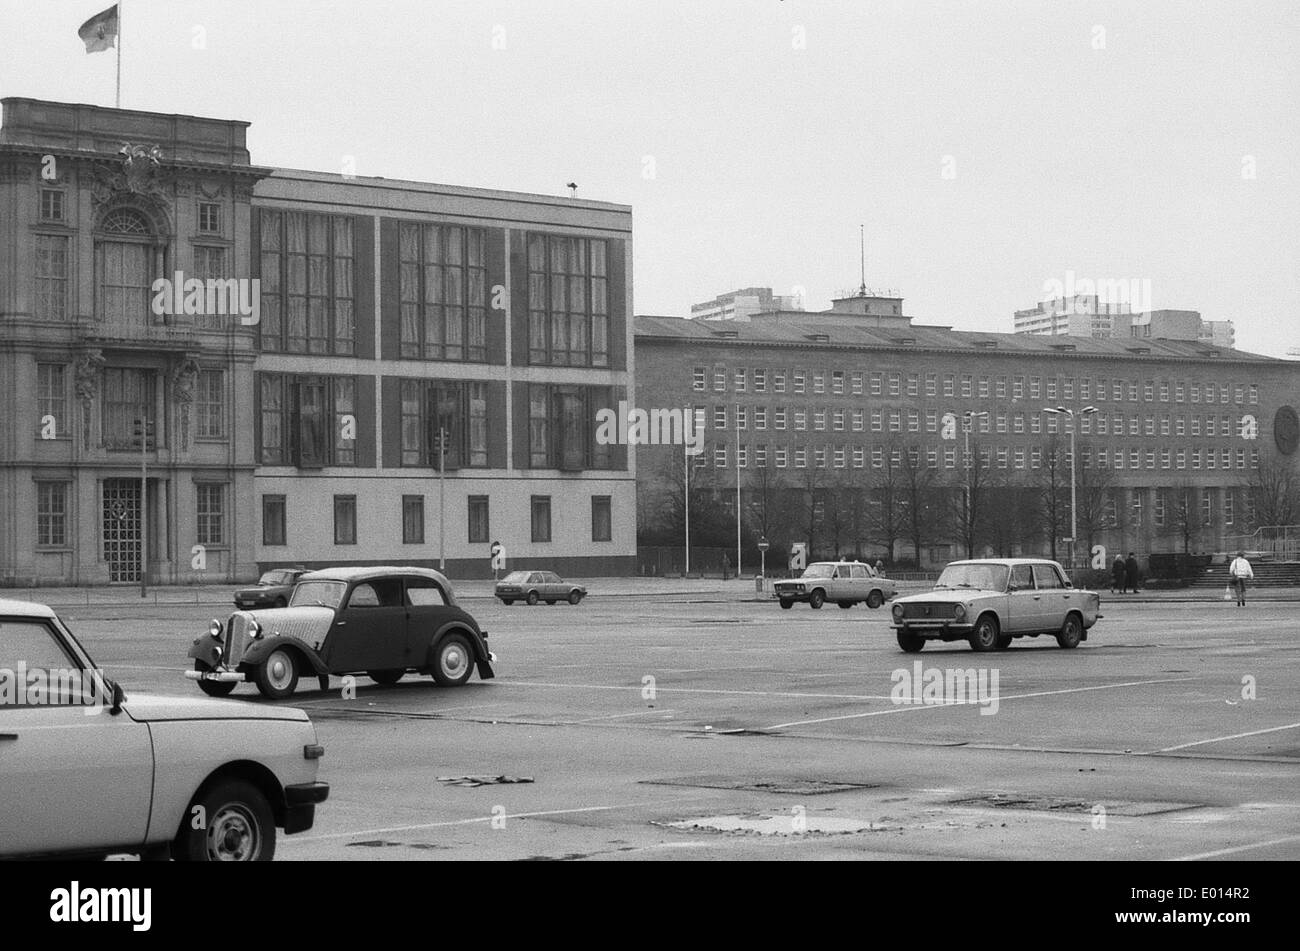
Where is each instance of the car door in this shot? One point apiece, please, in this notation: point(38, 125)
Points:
point(550, 586)
point(862, 582)
point(369, 631)
point(1023, 604)
point(427, 610)
point(71, 776)
point(1055, 597)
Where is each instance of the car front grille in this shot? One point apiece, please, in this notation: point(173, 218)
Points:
point(928, 611)
point(236, 639)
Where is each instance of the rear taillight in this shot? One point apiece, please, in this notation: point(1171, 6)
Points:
point(313, 751)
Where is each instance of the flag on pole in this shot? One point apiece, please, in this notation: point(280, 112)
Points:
point(100, 31)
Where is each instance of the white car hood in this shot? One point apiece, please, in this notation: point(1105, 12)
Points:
point(152, 707)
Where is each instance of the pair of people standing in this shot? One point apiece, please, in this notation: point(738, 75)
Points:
point(1124, 574)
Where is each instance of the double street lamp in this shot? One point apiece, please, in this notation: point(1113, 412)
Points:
point(1074, 517)
point(970, 416)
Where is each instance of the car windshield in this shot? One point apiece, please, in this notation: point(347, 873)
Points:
point(326, 594)
point(274, 577)
point(818, 571)
point(516, 577)
point(985, 577)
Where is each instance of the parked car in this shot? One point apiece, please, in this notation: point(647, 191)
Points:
point(382, 622)
point(844, 582)
point(88, 771)
point(989, 602)
point(534, 586)
point(272, 589)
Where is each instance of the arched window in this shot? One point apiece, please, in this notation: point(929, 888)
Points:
point(124, 268)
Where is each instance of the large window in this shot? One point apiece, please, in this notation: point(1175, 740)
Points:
point(560, 430)
point(51, 397)
point(210, 264)
point(128, 395)
point(568, 301)
point(455, 409)
point(51, 301)
point(211, 514)
point(443, 292)
point(601, 518)
point(306, 280)
point(541, 518)
point(273, 520)
point(305, 420)
point(124, 272)
point(51, 514)
point(478, 518)
point(210, 404)
point(413, 520)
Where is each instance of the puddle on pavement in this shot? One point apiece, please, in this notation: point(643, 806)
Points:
point(784, 787)
point(1114, 807)
point(782, 825)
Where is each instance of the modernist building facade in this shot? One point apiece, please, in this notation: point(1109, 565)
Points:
point(843, 397)
point(417, 382)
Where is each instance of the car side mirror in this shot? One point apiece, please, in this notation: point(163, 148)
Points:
point(119, 697)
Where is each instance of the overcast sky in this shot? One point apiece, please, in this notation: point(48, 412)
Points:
point(989, 148)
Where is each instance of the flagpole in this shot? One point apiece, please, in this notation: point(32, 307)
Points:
point(120, 5)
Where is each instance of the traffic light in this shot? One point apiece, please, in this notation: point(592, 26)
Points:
point(142, 433)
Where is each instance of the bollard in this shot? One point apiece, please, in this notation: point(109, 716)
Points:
point(758, 586)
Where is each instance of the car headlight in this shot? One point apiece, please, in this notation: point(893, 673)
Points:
point(897, 611)
point(959, 612)
point(214, 629)
point(254, 629)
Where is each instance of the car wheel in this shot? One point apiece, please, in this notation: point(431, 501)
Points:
point(1071, 633)
point(1004, 641)
point(214, 688)
point(453, 661)
point(875, 599)
point(816, 599)
point(910, 643)
point(985, 636)
point(786, 605)
point(575, 597)
point(845, 604)
point(237, 826)
point(281, 603)
point(532, 597)
point(507, 601)
point(277, 676)
point(386, 677)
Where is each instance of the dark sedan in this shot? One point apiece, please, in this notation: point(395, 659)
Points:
point(534, 586)
point(272, 590)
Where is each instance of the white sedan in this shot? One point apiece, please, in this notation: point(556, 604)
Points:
point(86, 770)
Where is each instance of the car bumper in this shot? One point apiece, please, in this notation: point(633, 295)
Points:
point(787, 595)
point(300, 805)
point(221, 676)
point(940, 628)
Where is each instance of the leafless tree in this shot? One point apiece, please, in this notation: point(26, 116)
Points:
point(1051, 498)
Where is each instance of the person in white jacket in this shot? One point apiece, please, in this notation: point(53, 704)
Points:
point(1239, 571)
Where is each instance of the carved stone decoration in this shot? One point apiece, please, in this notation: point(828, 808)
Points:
point(85, 375)
point(184, 376)
point(212, 190)
point(140, 176)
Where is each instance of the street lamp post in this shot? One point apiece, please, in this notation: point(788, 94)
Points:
point(969, 416)
point(1074, 500)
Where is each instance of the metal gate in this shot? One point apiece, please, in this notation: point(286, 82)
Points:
point(122, 529)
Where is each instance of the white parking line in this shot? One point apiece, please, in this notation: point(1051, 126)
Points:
point(743, 693)
point(908, 708)
point(1220, 739)
point(1237, 848)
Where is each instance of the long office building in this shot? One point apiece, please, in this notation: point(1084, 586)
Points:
point(213, 367)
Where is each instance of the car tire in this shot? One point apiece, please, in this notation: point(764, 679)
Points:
point(875, 599)
point(386, 677)
point(986, 634)
point(575, 597)
point(910, 643)
point(816, 599)
point(532, 598)
point(507, 601)
point(214, 688)
point(786, 604)
point(1071, 632)
point(452, 661)
point(277, 676)
point(845, 604)
point(237, 826)
point(1004, 641)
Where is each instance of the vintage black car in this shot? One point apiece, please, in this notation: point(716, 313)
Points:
point(381, 622)
point(272, 589)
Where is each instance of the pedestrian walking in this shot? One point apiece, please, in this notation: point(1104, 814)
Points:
point(1117, 571)
point(1131, 572)
point(1240, 571)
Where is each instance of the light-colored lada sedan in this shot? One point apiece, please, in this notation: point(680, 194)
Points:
point(88, 771)
point(989, 602)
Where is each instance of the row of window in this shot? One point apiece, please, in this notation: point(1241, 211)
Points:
point(970, 386)
point(999, 457)
point(53, 207)
point(822, 419)
point(52, 514)
point(478, 528)
point(307, 421)
point(126, 395)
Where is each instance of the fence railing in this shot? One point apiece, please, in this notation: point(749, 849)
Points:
point(1281, 542)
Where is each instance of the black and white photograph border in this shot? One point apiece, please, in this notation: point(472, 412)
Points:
point(627, 431)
